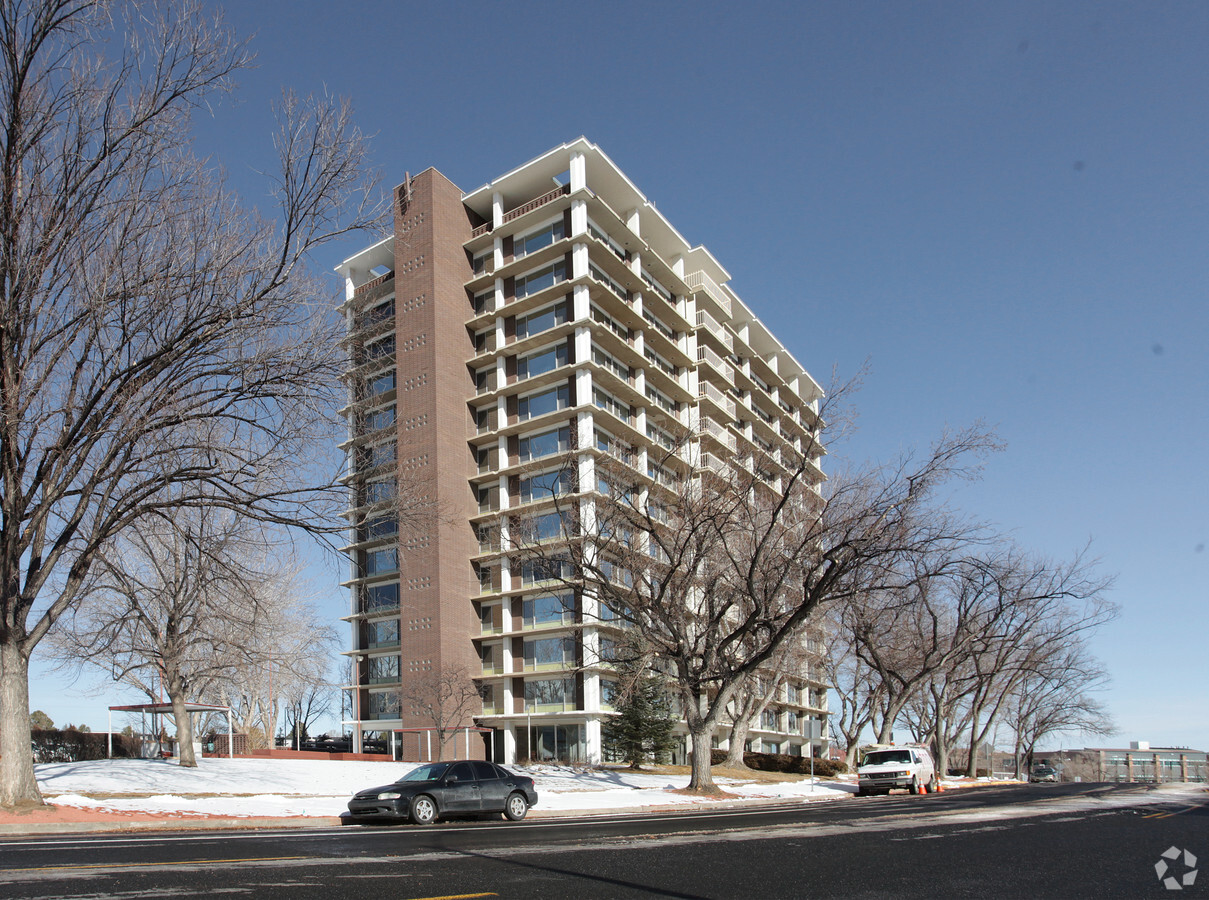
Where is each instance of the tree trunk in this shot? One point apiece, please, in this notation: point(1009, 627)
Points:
point(850, 755)
point(184, 723)
point(702, 779)
point(18, 786)
point(738, 738)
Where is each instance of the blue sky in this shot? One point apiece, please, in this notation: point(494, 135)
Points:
point(1004, 207)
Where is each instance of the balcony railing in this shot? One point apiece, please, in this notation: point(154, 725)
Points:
point(699, 281)
point(560, 191)
point(710, 324)
point(707, 391)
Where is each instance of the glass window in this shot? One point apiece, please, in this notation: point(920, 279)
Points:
point(383, 526)
point(611, 404)
point(609, 692)
point(380, 418)
point(546, 484)
point(380, 383)
point(384, 705)
point(543, 402)
point(384, 631)
point(544, 320)
point(484, 771)
point(549, 692)
point(547, 443)
point(486, 617)
point(383, 668)
point(543, 278)
point(522, 246)
point(541, 362)
point(380, 454)
point(535, 571)
point(380, 491)
point(379, 349)
point(549, 527)
point(381, 596)
point(384, 560)
point(548, 609)
point(549, 653)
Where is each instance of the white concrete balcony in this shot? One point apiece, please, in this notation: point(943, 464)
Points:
point(706, 287)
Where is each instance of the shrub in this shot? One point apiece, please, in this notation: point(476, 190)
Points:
point(783, 762)
point(69, 745)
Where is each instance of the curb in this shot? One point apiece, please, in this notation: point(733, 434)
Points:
point(256, 823)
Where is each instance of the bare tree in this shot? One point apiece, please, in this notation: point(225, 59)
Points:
point(860, 692)
point(1057, 697)
point(1034, 605)
point(160, 345)
point(949, 647)
point(756, 692)
point(163, 608)
point(183, 607)
point(719, 565)
point(284, 667)
point(302, 710)
point(446, 697)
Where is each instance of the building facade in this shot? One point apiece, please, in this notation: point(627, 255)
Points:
point(551, 314)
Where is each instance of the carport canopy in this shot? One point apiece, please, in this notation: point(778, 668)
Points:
point(166, 708)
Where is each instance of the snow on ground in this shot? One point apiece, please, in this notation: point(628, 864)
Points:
point(300, 787)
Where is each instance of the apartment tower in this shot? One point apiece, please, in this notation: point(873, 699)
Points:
point(551, 313)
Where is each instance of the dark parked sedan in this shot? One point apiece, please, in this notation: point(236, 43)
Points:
point(433, 790)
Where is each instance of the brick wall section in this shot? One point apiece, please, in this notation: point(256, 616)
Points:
point(436, 577)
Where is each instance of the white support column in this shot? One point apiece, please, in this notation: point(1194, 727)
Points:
point(579, 217)
point(583, 344)
point(633, 221)
point(498, 255)
point(580, 302)
point(578, 171)
point(509, 744)
point(579, 260)
point(497, 209)
point(586, 472)
point(583, 392)
point(593, 743)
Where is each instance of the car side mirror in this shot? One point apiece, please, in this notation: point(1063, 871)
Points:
point(451, 779)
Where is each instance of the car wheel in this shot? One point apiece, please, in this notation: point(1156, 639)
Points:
point(516, 807)
point(861, 792)
point(914, 785)
point(423, 810)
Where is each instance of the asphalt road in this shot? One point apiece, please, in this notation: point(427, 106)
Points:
point(1031, 841)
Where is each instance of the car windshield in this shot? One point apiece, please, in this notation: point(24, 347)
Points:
point(881, 757)
point(430, 772)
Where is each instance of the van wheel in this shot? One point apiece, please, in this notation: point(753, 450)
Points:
point(915, 785)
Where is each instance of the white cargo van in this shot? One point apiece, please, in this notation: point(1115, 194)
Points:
point(886, 768)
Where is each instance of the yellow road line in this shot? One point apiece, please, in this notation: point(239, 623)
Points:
point(189, 862)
